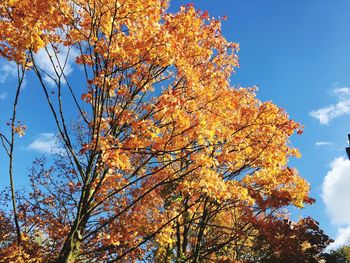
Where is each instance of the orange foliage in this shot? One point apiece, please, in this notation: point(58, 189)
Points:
point(173, 162)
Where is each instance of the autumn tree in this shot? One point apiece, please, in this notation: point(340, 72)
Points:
point(166, 160)
point(340, 255)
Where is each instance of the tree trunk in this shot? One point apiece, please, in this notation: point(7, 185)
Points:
point(71, 247)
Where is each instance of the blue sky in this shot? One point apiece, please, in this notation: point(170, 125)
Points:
point(297, 53)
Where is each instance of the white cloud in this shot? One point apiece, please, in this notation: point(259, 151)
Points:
point(328, 113)
point(343, 238)
point(3, 95)
point(342, 92)
point(46, 143)
point(336, 196)
point(336, 191)
point(319, 144)
point(62, 59)
point(7, 70)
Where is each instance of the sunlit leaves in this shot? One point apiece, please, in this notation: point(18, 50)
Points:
point(171, 161)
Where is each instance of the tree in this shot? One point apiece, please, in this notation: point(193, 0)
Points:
point(301, 241)
point(166, 161)
point(340, 255)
